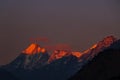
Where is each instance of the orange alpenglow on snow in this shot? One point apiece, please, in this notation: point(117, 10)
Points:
point(58, 54)
point(108, 40)
point(61, 54)
point(77, 54)
point(43, 50)
point(33, 49)
point(93, 47)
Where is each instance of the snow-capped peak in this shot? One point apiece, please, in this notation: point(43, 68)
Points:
point(33, 49)
point(107, 41)
point(98, 47)
point(30, 57)
point(77, 54)
point(57, 54)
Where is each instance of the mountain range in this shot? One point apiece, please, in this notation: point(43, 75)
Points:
point(36, 63)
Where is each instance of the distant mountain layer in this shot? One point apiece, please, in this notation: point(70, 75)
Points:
point(105, 66)
point(35, 56)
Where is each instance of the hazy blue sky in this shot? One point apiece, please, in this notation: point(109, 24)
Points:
point(79, 23)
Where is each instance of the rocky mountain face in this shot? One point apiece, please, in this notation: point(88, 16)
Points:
point(31, 57)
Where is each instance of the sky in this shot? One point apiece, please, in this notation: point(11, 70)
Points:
point(77, 23)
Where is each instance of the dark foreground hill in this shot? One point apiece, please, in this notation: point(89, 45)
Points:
point(5, 75)
point(105, 66)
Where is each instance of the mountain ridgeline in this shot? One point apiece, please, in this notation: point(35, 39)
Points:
point(35, 62)
point(105, 66)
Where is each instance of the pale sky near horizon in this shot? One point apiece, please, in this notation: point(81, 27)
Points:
point(79, 23)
